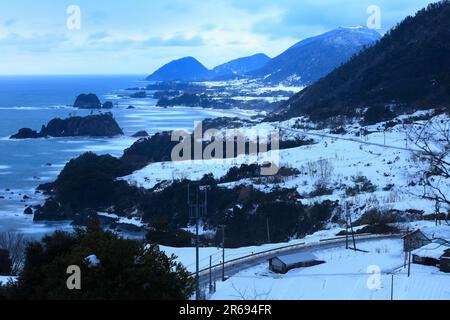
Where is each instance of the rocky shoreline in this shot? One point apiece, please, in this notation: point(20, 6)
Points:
point(102, 125)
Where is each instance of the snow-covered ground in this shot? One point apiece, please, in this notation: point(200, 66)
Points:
point(122, 220)
point(391, 169)
point(187, 255)
point(345, 275)
point(5, 279)
point(386, 159)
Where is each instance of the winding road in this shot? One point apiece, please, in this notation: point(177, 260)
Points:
point(237, 265)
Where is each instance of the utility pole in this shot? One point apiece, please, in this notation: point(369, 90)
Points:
point(210, 274)
point(349, 222)
point(195, 210)
point(268, 230)
point(346, 228)
point(392, 287)
point(409, 264)
point(353, 232)
point(223, 252)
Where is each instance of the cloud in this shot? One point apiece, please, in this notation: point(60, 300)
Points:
point(98, 36)
point(175, 41)
point(121, 36)
point(32, 43)
point(311, 17)
point(9, 22)
point(104, 41)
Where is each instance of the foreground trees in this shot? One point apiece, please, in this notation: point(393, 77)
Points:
point(110, 268)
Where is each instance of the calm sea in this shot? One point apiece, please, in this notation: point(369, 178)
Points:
point(31, 101)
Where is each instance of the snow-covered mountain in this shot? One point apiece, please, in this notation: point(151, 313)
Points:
point(407, 69)
point(313, 58)
point(184, 69)
point(302, 64)
point(241, 66)
point(190, 69)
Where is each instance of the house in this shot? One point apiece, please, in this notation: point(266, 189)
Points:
point(444, 262)
point(414, 240)
point(430, 255)
point(283, 264)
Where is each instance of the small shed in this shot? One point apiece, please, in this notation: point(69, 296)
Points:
point(444, 262)
point(430, 255)
point(414, 240)
point(283, 264)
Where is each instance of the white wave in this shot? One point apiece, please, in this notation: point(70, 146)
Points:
point(38, 108)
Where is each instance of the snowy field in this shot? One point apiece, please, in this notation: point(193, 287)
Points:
point(386, 159)
point(346, 275)
point(392, 170)
point(187, 255)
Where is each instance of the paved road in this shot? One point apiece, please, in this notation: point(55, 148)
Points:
point(234, 267)
point(321, 135)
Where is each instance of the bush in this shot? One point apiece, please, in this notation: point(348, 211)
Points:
point(178, 238)
point(362, 185)
point(376, 228)
point(321, 189)
point(127, 269)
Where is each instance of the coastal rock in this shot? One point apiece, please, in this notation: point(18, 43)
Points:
point(108, 105)
point(26, 133)
point(102, 125)
point(50, 211)
point(87, 101)
point(46, 188)
point(28, 211)
point(186, 99)
point(140, 134)
point(139, 95)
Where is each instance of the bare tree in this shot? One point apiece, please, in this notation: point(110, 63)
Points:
point(247, 295)
point(432, 147)
point(15, 243)
point(322, 168)
point(325, 168)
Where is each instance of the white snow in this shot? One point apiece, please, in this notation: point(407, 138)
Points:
point(433, 250)
point(348, 156)
point(187, 255)
point(163, 171)
point(135, 221)
point(5, 279)
point(346, 275)
point(92, 261)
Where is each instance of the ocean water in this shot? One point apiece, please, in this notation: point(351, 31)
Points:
point(31, 101)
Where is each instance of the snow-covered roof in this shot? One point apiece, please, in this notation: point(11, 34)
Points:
point(412, 233)
point(291, 259)
point(433, 250)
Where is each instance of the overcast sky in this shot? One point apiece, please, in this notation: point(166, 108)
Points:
point(138, 36)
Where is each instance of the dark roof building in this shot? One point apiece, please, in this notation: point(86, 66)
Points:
point(444, 262)
point(414, 240)
point(283, 264)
